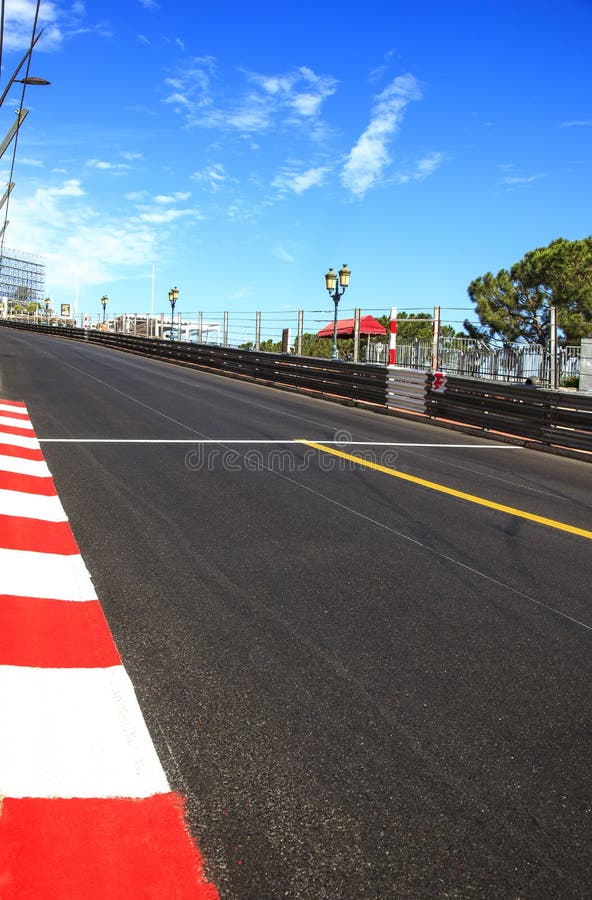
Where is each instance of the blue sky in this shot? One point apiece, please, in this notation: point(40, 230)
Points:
point(242, 148)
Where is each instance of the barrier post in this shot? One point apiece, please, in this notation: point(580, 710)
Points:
point(393, 338)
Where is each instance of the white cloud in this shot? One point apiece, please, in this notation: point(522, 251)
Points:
point(302, 181)
point(266, 102)
point(102, 164)
point(149, 4)
point(422, 169)
point(172, 198)
point(59, 22)
point(213, 177)
point(84, 245)
point(165, 216)
point(577, 123)
point(34, 163)
point(370, 156)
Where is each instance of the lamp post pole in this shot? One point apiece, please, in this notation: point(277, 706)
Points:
point(173, 297)
point(104, 302)
point(336, 285)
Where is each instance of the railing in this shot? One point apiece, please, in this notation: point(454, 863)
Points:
point(475, 359)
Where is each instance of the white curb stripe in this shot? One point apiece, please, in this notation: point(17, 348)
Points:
point(74, 733)
point(17, 440)
point(16, 423)
point(24, 573)
point(11, 407)
point(32, 506)
point(36, 467)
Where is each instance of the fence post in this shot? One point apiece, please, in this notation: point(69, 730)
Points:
point(436, 340)
point(553, 379)
point(392, 361)
point(300, 332)
point(161, 335)
point(257, 331)
point(357, 334)
point(200, 328)
point(225, 333)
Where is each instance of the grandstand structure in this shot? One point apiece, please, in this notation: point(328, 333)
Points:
point(22, 279)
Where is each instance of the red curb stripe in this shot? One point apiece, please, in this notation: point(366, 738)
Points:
point(21, 452)
point(14, 415)
point(93, 849)
point(18, 533)
point(13, 403)
point(55, 634)
point(27, 484)
point(21, 432)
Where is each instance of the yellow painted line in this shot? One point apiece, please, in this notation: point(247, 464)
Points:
point(441, 488)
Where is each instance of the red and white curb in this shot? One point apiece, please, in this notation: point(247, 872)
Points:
point(86, 810)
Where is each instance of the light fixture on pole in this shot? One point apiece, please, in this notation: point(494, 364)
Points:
point(336, 285)
point(104, 302)
point(173, 297)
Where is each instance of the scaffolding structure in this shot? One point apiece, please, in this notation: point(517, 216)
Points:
point(22, 278)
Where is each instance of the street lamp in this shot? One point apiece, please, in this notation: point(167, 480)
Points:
point(335, 282)
point(47, 302)
point(104, 302)
point(173, 297)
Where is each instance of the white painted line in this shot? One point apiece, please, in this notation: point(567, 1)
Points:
point(74, 733)
point(35, 467)
point(24, 573)
point(16, 423)
point(32, 506)
point(343, 444)
point(16, 440)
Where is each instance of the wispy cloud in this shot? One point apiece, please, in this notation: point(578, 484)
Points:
point(149, 4)
point(299, 182)
point(370, 156)
point(104, 165)
point(59, 22)
point(577, 123)
point(34, 163)
point(172, 198)
point(212, 177)
point(281, 253)
point(421, 170)
point(266, 101)
point(512, 178)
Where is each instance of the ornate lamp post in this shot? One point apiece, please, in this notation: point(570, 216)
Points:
point(104, 302)
point(173, 297)
point(336, 285)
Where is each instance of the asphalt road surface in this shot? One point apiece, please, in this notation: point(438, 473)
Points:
point(365, 686)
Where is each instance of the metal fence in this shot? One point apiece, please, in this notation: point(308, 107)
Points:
point(475, 359)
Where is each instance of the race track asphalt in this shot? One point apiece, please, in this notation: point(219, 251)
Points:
point(364, 686)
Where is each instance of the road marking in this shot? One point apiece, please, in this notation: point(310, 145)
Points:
point(443, 489)
point(338, 443)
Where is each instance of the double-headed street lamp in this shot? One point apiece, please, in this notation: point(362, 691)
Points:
point(104, 302)
point(336, 285)
point(173, 297)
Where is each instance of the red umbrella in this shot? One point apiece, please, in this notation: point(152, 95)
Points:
point(345, 327)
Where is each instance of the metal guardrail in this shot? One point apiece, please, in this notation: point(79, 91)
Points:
point(561, 418)
point(351, 381)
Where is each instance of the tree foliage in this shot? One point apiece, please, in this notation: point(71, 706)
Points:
point(515, 305)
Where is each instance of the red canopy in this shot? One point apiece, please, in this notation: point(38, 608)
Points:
point(345, 327)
